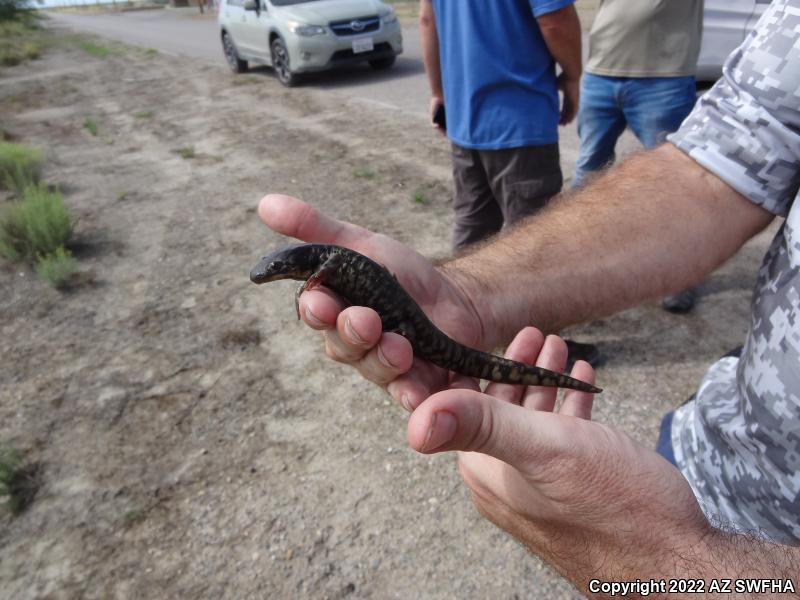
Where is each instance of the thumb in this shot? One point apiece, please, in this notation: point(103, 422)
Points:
point(300, 220)
point(466, 420)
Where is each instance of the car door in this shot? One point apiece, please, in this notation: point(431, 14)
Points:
point(759, 8)
point(725, 23)
point(233, 13)
point(255, 30)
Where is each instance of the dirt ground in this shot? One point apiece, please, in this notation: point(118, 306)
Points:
point(195, 441)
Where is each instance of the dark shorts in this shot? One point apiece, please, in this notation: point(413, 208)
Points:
point(498, 187)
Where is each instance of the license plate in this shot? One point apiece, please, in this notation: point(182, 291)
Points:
point(363, 45)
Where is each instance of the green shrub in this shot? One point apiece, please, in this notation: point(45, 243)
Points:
point(19, 165)
point(57, 268)
point(11, 9)
point(35, 226)
point(18, 38)
point(18, 482)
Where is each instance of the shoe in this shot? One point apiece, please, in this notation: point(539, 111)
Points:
point(578, 351)
point(680, 303)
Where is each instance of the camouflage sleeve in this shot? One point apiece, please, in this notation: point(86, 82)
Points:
point(746, 129)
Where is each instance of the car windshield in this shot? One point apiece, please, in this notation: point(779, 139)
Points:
point(288, 2)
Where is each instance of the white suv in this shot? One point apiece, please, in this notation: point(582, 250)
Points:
point(725, 25)
point(297, 36)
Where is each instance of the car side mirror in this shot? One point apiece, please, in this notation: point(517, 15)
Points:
point(251, 4)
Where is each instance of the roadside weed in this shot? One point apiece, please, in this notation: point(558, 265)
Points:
point(18, 40)
point(144, 114)
point(94, 49)
point(37, 225)
point(133, 516)
point(363, 173)
point(151, 52)
point(420, 197)
point(57, 268)
point(187, 152)
point(90, 125)
point(18, 482)
point(19, 165)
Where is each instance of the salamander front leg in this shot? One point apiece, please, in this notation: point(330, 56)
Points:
point(329, 267)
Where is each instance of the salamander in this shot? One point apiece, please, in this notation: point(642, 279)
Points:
point(363, 282)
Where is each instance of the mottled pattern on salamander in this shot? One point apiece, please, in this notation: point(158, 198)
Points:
point(363, 282)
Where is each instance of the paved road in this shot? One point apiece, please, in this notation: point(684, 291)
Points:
point(185, 32)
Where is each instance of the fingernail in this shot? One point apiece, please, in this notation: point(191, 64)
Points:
point(312, 319)
point(382, 357)
point(402, 398)
point(348, 327)
point(442, 429)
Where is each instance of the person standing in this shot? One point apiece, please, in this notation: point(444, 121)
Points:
point(491, 66)
point(640, 74)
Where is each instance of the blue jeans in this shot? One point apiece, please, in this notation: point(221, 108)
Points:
point(650, 106)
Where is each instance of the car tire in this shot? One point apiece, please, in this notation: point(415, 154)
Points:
point(280, 63)
point(382, 63)
point(236, 64)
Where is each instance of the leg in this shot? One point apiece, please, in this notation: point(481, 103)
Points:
point(477, 215)
point(656, 106)
point(600, 123)
point(523, 179)
point(328, 267)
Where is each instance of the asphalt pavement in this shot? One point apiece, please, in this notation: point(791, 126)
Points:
point(185, 32)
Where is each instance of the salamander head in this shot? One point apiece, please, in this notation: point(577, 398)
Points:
point(294, 262)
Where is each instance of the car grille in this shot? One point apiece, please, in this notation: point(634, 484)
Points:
point(380, 50)
point(355, 26)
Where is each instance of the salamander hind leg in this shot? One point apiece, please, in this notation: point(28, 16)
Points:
point(328, 268)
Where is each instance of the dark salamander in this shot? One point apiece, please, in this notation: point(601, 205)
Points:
point(363, 282)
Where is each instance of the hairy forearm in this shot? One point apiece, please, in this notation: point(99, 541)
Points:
point(718, 565)
point(656, 224)
point(429, 43)
point(561, 30)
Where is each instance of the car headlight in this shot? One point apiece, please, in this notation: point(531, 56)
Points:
point(305, 30)
point(389, 18)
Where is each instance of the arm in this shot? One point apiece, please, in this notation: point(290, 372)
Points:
point(656, 224)
point(586, 498)
point(429, 41)
point(561, 30)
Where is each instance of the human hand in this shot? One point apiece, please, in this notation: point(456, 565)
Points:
point(353, 335)
point(583, 496)
point(435, 104)
point(571, 90)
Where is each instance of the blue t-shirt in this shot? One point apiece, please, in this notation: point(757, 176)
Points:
point(498, 75)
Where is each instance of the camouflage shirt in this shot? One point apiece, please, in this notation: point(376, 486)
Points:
point(738, 442)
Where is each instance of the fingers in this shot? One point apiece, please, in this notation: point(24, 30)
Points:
point(357, 339)
point(553, 357)
point(319, 308)
point(470, 421)
point(525, 348)
point(579, 404)
point(297, 219)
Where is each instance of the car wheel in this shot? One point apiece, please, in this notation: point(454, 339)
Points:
point(280, 64)
point(236, 64)
point(382, 63)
